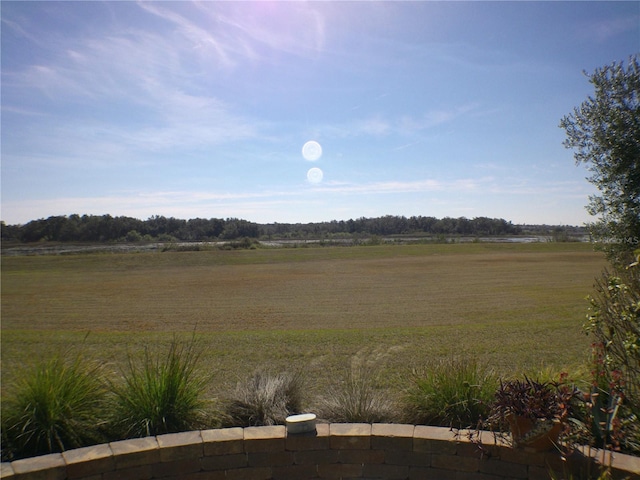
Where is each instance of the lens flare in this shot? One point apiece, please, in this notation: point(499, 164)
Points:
point(311, 151)
point(314, 175)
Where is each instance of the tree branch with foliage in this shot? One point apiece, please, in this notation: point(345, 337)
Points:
point(604, 131)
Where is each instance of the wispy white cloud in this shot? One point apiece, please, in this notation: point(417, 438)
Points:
point(236, 32)
point(374, 126)
point(217, 46)
point(434, 118)
point(140, 205)
point(605, 29)
point(384, 187)
point(522, 187)
point(112, 73)
point(184, 203)
point(267, 205)
point(23, 111)
point(379, 125)
point(407, 145)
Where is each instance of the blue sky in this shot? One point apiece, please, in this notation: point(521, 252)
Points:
point(201, 109)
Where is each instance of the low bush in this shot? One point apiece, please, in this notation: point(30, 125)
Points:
point(614, 321)
point(453, 393)
point(605, 419)
point(358, 398)
point(164, 394)
point(612, 415)
point(56, 404)
point(265, 399)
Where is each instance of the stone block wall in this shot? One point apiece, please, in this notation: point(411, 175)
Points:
point(335, 451)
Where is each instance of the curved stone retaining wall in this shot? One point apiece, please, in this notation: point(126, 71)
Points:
point(380, 451)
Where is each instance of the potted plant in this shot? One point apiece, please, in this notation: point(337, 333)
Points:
point(535, 412)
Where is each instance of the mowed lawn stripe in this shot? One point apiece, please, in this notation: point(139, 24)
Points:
point(514, 305)
point(329, 293)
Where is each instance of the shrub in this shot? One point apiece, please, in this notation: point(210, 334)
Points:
point(614, 321)
point(55, 405)
point(606, 420)
point(162, 395)
point(133, 236)
point(453, 393)
point(534, 399)
point(613, 402)
point(357, 398)
point(265, 399)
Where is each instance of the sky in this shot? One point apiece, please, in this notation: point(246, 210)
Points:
point(203, 109)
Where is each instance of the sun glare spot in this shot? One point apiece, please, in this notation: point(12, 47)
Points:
point(311, 151)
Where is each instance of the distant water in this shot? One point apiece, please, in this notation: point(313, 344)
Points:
point(152, 247)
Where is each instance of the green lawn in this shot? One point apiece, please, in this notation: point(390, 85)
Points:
point(517, 307)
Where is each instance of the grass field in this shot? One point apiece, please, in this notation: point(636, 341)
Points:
point(519, 307)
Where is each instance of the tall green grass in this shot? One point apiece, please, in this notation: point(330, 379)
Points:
point(160, 394)
point(55, 405)
point(454, 393)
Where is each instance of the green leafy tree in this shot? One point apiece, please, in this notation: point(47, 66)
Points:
point(604, 131)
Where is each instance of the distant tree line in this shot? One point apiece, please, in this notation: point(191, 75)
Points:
point(394, 225)
point(105, 228)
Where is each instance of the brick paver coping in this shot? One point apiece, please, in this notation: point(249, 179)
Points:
point(364, 451)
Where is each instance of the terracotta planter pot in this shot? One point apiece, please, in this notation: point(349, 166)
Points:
point(537, 435)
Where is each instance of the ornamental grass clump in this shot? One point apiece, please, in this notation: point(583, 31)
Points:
point(57, 404)
point(162, 394)
point(265, 399)
point(358, 398)
point(454, 393)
